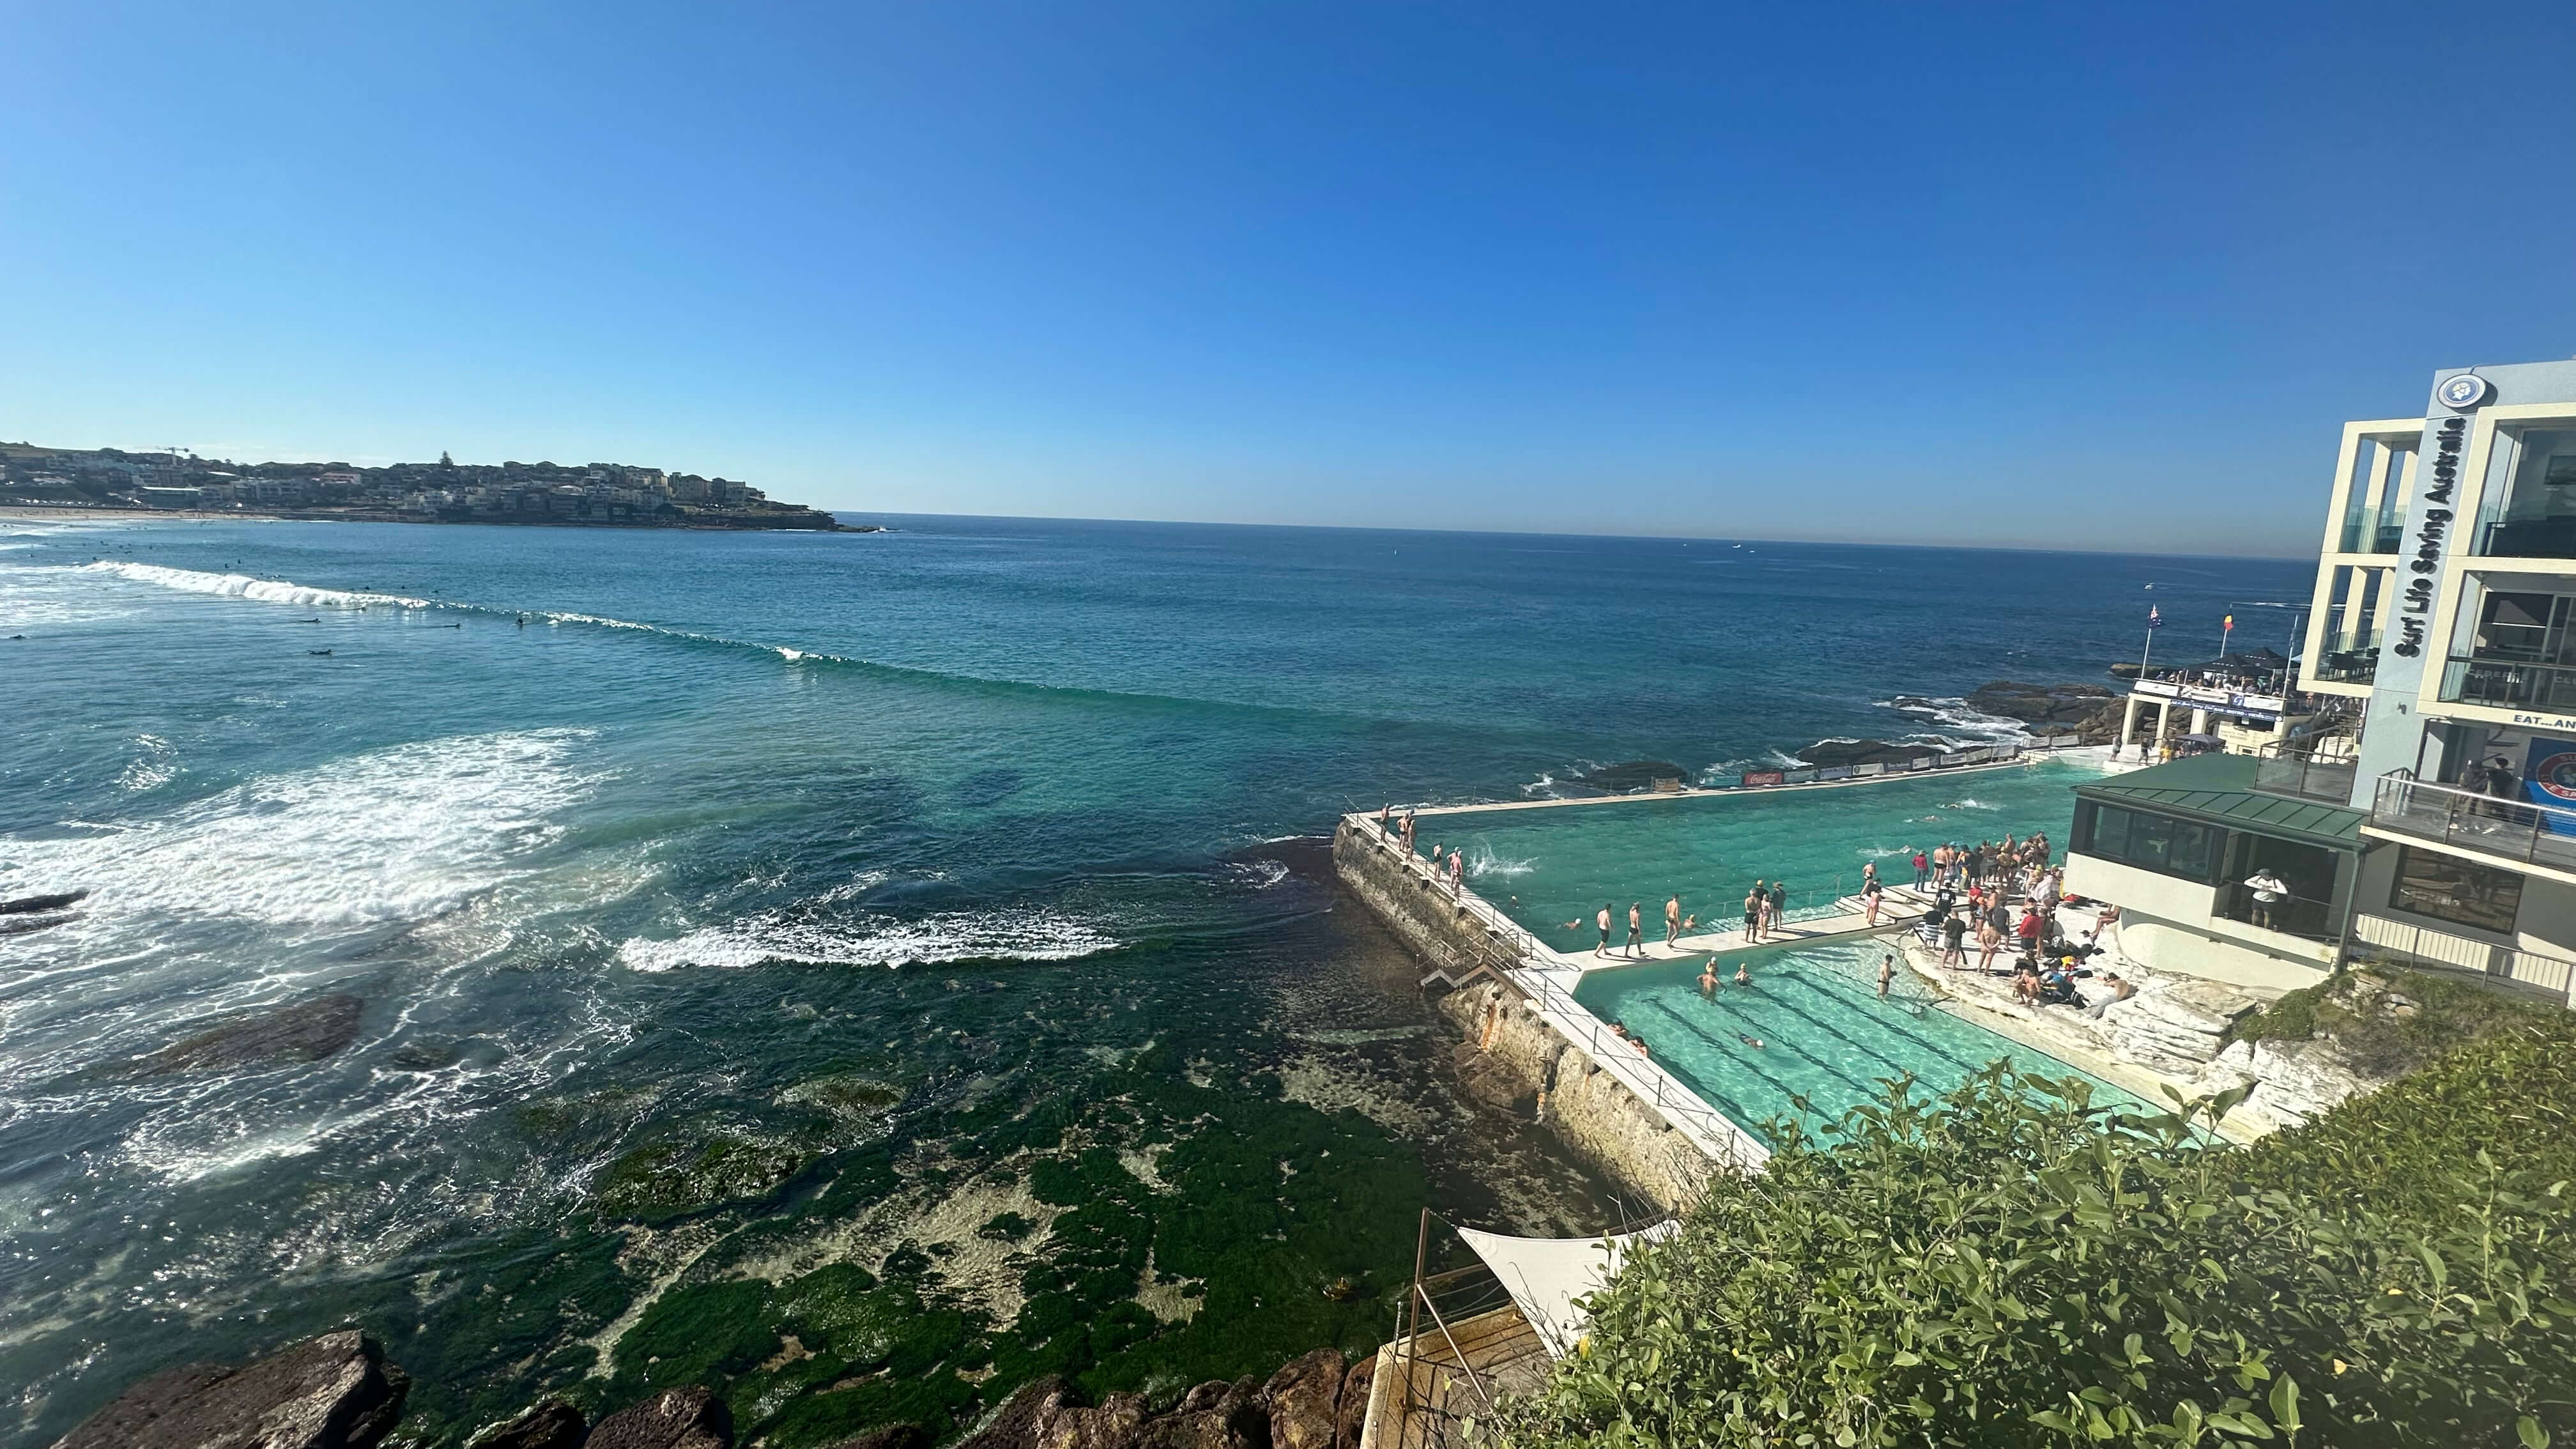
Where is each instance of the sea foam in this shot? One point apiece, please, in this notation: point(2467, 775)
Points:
point(934, 940)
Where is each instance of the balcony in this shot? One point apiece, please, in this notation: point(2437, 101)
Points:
point(2528, 538)
point(2364, 537)
point(2468, 821)
point(2292, 915)
point(2508, 683)
point(2345, 666)
point(2295, 772)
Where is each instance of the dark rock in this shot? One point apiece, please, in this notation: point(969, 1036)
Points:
point(690, 1418)
point(307, 1031)
point(1351, 1414)
point(892, 1436)
point(2054, 704)
point(1300, 1398)
point(25, 905)
point(1022, 1421)
point(1211, 1416)
point(1630, 776)
point(332, 1392)
point(1113, 1425)
point(552, 1425)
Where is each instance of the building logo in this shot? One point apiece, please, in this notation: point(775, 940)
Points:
point(2464, 391)
point(2553, 778)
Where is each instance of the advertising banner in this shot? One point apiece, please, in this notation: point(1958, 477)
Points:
point(1761, 777)
point(2549, 778)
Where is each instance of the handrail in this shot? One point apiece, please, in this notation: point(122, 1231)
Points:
point(2489, 824)
point(1460, 1354)
point(1525, 970)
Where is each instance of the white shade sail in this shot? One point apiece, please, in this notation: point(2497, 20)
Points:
point(1545, 1276)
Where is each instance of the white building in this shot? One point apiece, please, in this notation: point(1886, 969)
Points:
point(2445, 609)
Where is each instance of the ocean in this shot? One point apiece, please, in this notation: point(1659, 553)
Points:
point(860, 972)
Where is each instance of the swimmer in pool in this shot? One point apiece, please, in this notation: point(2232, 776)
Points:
point(1708, 978)
point(1743, 977)
point(1751, 1041)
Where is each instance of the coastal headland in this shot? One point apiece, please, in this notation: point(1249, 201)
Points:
point(112, 482)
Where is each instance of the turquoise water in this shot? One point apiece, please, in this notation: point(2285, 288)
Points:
point(1550, 866)
point(806, 903)
point(1825, 1033)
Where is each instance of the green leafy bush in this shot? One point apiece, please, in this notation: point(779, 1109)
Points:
point(2013, 1266)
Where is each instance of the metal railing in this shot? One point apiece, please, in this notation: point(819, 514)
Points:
point(2346, 666)
point(2291, 915)
point(2508, 683)
point(2295, 769)
point(2513, 829)
point(2528, 538)
point(2382, 938)
point(1522, 961)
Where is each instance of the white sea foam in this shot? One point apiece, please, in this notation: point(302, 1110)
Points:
point(243, 586)
point(1485, 863)
point(999, 935)
point(1263, 874)
point(1962, 723)
point(1972, 803)
point(397, 834)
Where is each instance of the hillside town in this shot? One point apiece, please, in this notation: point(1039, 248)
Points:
point(615, 495)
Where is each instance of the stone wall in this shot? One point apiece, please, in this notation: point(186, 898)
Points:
point(1589, 1110)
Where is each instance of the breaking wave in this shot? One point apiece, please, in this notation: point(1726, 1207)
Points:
point(934, 940)
point(244, 586)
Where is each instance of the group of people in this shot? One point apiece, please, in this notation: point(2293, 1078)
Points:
point(2022, 864)
point(1400, 829)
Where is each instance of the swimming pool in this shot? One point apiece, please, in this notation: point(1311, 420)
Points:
point(1825, 1033)
point(1546, 867)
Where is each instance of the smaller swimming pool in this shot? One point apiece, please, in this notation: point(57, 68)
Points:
point(1825, 1033)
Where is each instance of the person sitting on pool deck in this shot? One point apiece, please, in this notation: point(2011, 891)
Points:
point(2026, 983)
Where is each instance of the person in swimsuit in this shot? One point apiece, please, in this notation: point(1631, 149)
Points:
point(1886, 972)
point(1672, 919)
point(1753, 903)
point(1636, 930)
point(1743, 977)
point(1708, 977)
point(1603, 949)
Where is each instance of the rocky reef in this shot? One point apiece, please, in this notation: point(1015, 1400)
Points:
point(338, 1391)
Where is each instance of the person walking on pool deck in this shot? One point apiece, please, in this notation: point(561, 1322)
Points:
point(1603, 949)
point(1673, 919)
point(1636, 929)
point(1922, 869)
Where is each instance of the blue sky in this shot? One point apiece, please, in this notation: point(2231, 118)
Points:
point(2081, 275)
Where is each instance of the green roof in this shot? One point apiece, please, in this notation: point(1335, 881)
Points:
point(2220, 789)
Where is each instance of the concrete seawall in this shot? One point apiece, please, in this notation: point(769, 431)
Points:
point(1589, 1109)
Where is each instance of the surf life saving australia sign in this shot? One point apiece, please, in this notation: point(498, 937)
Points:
point(2432, 526)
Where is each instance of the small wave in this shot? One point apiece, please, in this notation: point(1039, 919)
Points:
point(243, 586)
point(1263, 874)
point(934, 940)
point(1883, 852)
point(1972, 803)
point(1965, 723)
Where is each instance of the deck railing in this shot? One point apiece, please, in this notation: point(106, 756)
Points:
point(2468, 820)
point(2297, 770)
point(2382, 937)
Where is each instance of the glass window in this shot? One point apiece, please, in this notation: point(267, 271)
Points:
point(2156, 842)
point(2477, 896)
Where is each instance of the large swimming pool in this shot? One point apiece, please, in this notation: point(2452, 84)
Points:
point(1825, 1033)
point(1546, 867)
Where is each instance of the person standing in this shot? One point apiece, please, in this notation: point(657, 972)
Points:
point(1886, 972)
point(1869, 893)
point(1636, 929)
point(2269, 891)
point(1755, 902)
point(1602, 948)
point(1673, 919)
point(1457, 873)
point(1779, 905)
point(1922, 869)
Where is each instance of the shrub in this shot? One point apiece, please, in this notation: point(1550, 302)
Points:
point(2011, 1266)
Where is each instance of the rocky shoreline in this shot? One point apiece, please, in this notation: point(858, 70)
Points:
point(340, 1391)
point(2090, 712)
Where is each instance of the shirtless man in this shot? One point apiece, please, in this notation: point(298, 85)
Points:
point(1673, 919)
point(1708, 977)
point(1886, 973)
point(1603, 920)
point(1636, 929)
